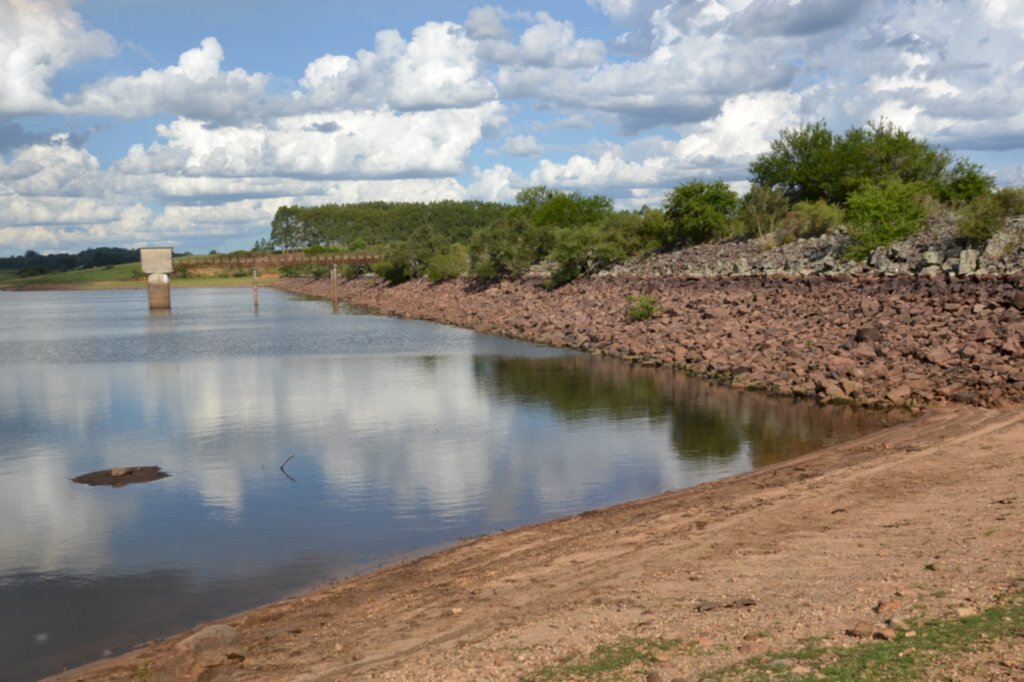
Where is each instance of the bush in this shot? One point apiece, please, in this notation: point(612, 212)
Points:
point(700, 211)
point(1012, 200)
point(642, 307)
point(585, 250)
point(353, 270)
point(964, 182)
point(448, 265)
point(880, 214)
point(977, 221)
point(763, 210)
point(508, 248)
point(807, 219)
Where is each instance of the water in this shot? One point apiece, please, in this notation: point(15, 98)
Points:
point(403, 436)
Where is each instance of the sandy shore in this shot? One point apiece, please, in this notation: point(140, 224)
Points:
point(924, 516)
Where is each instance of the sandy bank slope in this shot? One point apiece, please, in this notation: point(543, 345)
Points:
point(926, 512)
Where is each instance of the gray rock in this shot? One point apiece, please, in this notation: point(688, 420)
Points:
point(930, 271)
point(968, 262)
point(933, 258)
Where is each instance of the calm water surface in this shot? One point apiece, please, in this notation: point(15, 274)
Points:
point(403, 435)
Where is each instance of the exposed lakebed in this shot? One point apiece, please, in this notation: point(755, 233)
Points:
point(403, 436)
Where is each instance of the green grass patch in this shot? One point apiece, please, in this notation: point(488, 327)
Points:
point(936, 644)
point(604, 662)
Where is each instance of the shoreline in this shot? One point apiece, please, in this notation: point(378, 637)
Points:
point(880, 342)
point(719, 575)
point(725, 571)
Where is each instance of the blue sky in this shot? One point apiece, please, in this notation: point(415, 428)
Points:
point(135, 122)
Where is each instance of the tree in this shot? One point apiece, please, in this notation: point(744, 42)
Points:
point(801, 163)
point(699, 211)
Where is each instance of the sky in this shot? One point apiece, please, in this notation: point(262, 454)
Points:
point(188, 123)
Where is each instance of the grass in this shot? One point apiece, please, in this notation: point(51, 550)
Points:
point(937, 644)
point(124, 276)
point(605, 661)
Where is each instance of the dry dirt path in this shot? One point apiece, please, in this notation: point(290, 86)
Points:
point(926, 515)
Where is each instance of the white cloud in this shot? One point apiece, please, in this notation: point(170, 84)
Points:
point(499, 183)
point(38, 38)
point(546, 44)
point(521, 145)
point(437, 68)
point(722, 146)
point(359, 144)
point(195, 87)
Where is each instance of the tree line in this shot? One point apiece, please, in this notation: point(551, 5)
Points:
point(877, 182)
point(34, 263)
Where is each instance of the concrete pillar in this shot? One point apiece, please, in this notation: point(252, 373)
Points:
point(159, 286)
point(157, 264)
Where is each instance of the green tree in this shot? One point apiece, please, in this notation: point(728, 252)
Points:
point(699, 211)
point(801, 162)
point(881, 213)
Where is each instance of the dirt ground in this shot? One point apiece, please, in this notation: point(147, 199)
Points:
point(923, 518)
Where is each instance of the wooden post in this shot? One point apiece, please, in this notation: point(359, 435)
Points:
point(334, 288)
point(255, 290)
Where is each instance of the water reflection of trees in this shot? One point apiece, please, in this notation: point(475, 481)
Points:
point(707, 421)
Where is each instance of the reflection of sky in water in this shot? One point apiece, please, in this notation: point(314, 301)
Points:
point(405, 435)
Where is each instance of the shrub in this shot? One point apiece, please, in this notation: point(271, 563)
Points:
point(508, 248)
point(882, 213)
point(585, 250)
point(809, 219)
point(980, 219)
point(763, 210)
point(642, 307)
point(1012, 200)
point(964, 182)
point(700, 211)
point(352, 270)
point(449, 264)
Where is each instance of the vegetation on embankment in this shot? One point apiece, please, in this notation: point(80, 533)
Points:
point(873, 185)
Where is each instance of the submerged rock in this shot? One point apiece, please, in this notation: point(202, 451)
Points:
point(121, 476)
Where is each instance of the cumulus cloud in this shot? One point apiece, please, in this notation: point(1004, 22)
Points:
point(195, 87)
point(437, 68)
point(546, 43)
point(720, 147)
point(364, 144)
point(39, 38)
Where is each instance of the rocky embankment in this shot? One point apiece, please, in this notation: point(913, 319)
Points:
point(881, 341)
point(935, 252)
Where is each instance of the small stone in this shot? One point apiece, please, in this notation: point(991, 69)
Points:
point(456, 610)
point(910, 634)
point(654, 676)
point(884, 633)
point(801, 670)
point(861, 629)
point(885, 608)
point(966, 612)
point(117, 472)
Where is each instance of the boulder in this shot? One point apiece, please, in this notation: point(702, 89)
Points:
point(213, 645)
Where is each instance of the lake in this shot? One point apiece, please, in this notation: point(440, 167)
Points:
point(304, 447)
